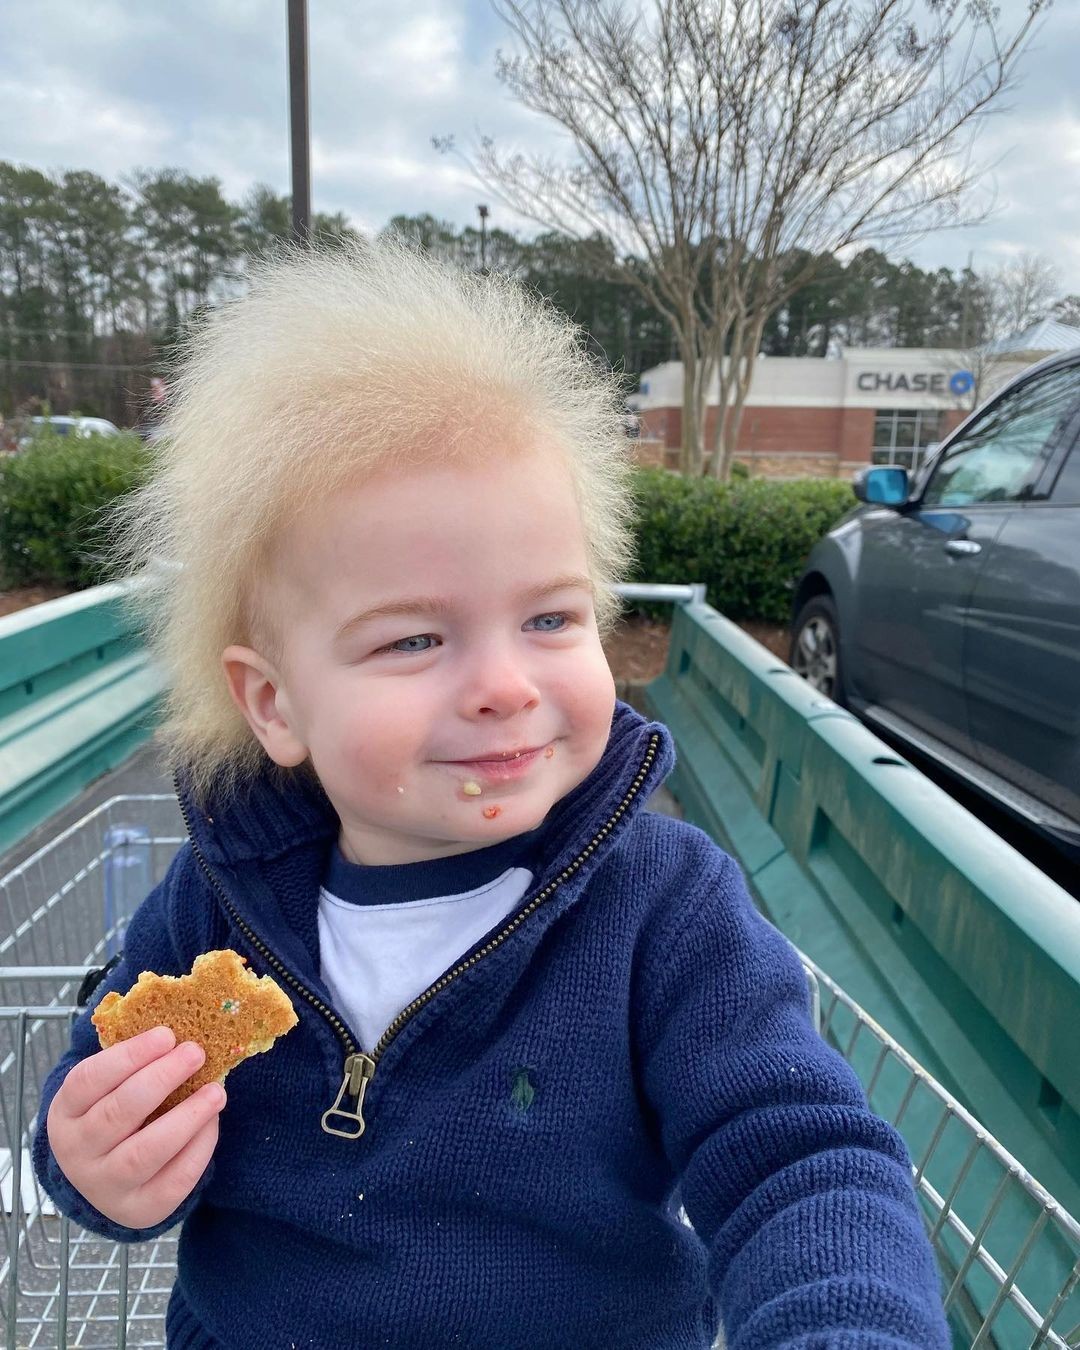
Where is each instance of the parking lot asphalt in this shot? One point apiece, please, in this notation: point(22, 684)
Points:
point(141, 772)
point(1038, 851)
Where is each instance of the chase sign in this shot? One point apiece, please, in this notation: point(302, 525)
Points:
point(914, 382)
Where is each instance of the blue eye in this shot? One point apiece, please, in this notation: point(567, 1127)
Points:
point(419, 643)
point(400, 646)
point(561, 621)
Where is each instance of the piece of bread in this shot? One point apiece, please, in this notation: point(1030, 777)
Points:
point(229, 1011)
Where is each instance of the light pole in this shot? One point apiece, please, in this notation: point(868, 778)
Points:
point(298, 121)
point(483, 237)
point(964, 308)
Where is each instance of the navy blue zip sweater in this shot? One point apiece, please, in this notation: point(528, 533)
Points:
point(635, 1038)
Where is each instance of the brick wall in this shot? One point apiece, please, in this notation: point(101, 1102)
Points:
point(765, 431)
point(779, 442)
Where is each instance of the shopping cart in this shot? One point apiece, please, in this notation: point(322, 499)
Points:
point(1008, 1253)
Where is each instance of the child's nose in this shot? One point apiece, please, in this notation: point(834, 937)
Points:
point(501, 687)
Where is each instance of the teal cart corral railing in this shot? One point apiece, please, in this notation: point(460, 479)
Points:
point(77, 694)
point(949, 968)
point(959, 948)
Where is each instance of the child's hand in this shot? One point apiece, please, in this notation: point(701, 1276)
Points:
point(135, 1174)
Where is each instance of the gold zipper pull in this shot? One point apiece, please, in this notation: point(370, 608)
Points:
point(358, 1072)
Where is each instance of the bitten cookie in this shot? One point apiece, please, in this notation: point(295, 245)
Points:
point(229, 1011)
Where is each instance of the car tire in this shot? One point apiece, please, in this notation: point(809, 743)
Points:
point(815, 647)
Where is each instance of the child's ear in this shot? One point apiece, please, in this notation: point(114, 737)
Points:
point(257, 691)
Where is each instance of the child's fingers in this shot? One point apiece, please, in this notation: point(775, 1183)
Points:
point(179, 1177)
point(137, 1161)
point(122, 1111)
point(97, 1075)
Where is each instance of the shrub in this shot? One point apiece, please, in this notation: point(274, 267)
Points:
point(50, 497)
point(746, 540)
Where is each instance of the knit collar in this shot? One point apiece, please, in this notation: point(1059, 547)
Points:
point(277, 812)
point(401, 883)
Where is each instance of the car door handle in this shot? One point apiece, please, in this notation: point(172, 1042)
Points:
point(962, 548)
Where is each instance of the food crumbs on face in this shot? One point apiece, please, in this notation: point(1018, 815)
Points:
point(401, 789)
point(549, 752)
point(471, 788)
point(490, 812)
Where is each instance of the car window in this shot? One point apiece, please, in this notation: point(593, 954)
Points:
point(1001, 456)
point(1067, 488)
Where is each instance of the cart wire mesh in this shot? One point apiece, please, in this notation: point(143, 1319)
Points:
point(1009, 1254)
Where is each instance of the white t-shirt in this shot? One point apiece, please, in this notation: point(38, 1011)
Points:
point(383, 940)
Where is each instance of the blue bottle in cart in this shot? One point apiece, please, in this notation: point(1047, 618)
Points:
point(127, 879)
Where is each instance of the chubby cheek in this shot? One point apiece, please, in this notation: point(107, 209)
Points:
point(369, 751)
point(590, 696)
point(588, 703)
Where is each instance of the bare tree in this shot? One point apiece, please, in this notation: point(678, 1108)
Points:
point(1022, 292)
point(1067, 310)
point(1011, 297)
point(712, 137)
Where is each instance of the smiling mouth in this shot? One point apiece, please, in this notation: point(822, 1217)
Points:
point(500, 756)
point(500, 766)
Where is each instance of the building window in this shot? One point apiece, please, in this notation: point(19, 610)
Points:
point(901, 436)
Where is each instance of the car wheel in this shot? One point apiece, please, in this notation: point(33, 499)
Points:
point(815, 647)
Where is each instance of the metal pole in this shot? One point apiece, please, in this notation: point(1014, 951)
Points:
point(964, 304)
point(483, 237)
point(298, 121)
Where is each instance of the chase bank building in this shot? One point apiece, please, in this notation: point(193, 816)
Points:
point(827, 416)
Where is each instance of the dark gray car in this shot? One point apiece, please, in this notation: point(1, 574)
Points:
point(946, 610)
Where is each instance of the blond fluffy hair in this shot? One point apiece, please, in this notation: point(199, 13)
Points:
point(333, 365)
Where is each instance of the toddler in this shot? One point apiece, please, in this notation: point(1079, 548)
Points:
point(537, 1020)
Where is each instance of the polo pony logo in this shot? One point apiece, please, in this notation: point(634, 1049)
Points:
point(522, 1092)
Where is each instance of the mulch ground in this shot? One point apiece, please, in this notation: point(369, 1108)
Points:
point(24, 596)
point(636, 650)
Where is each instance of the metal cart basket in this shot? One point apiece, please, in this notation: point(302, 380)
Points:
point(1009, 1254)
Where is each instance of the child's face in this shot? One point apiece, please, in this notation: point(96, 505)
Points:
point(498, 653)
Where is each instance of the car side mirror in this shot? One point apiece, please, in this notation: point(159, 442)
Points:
point(881, 486)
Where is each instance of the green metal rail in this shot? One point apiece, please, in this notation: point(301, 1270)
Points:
point(963, 951)
point(77, 695)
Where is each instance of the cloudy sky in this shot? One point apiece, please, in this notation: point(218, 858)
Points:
point(111, 85)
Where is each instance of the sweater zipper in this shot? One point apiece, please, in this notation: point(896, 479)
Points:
point(359, 1068)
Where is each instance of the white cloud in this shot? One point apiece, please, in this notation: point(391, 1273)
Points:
point(69, 125)
point(427, 54)
point(1035, 193)
point(109, 85)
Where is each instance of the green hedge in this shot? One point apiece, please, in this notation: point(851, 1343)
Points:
point(746, 540)
point(50, 495)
